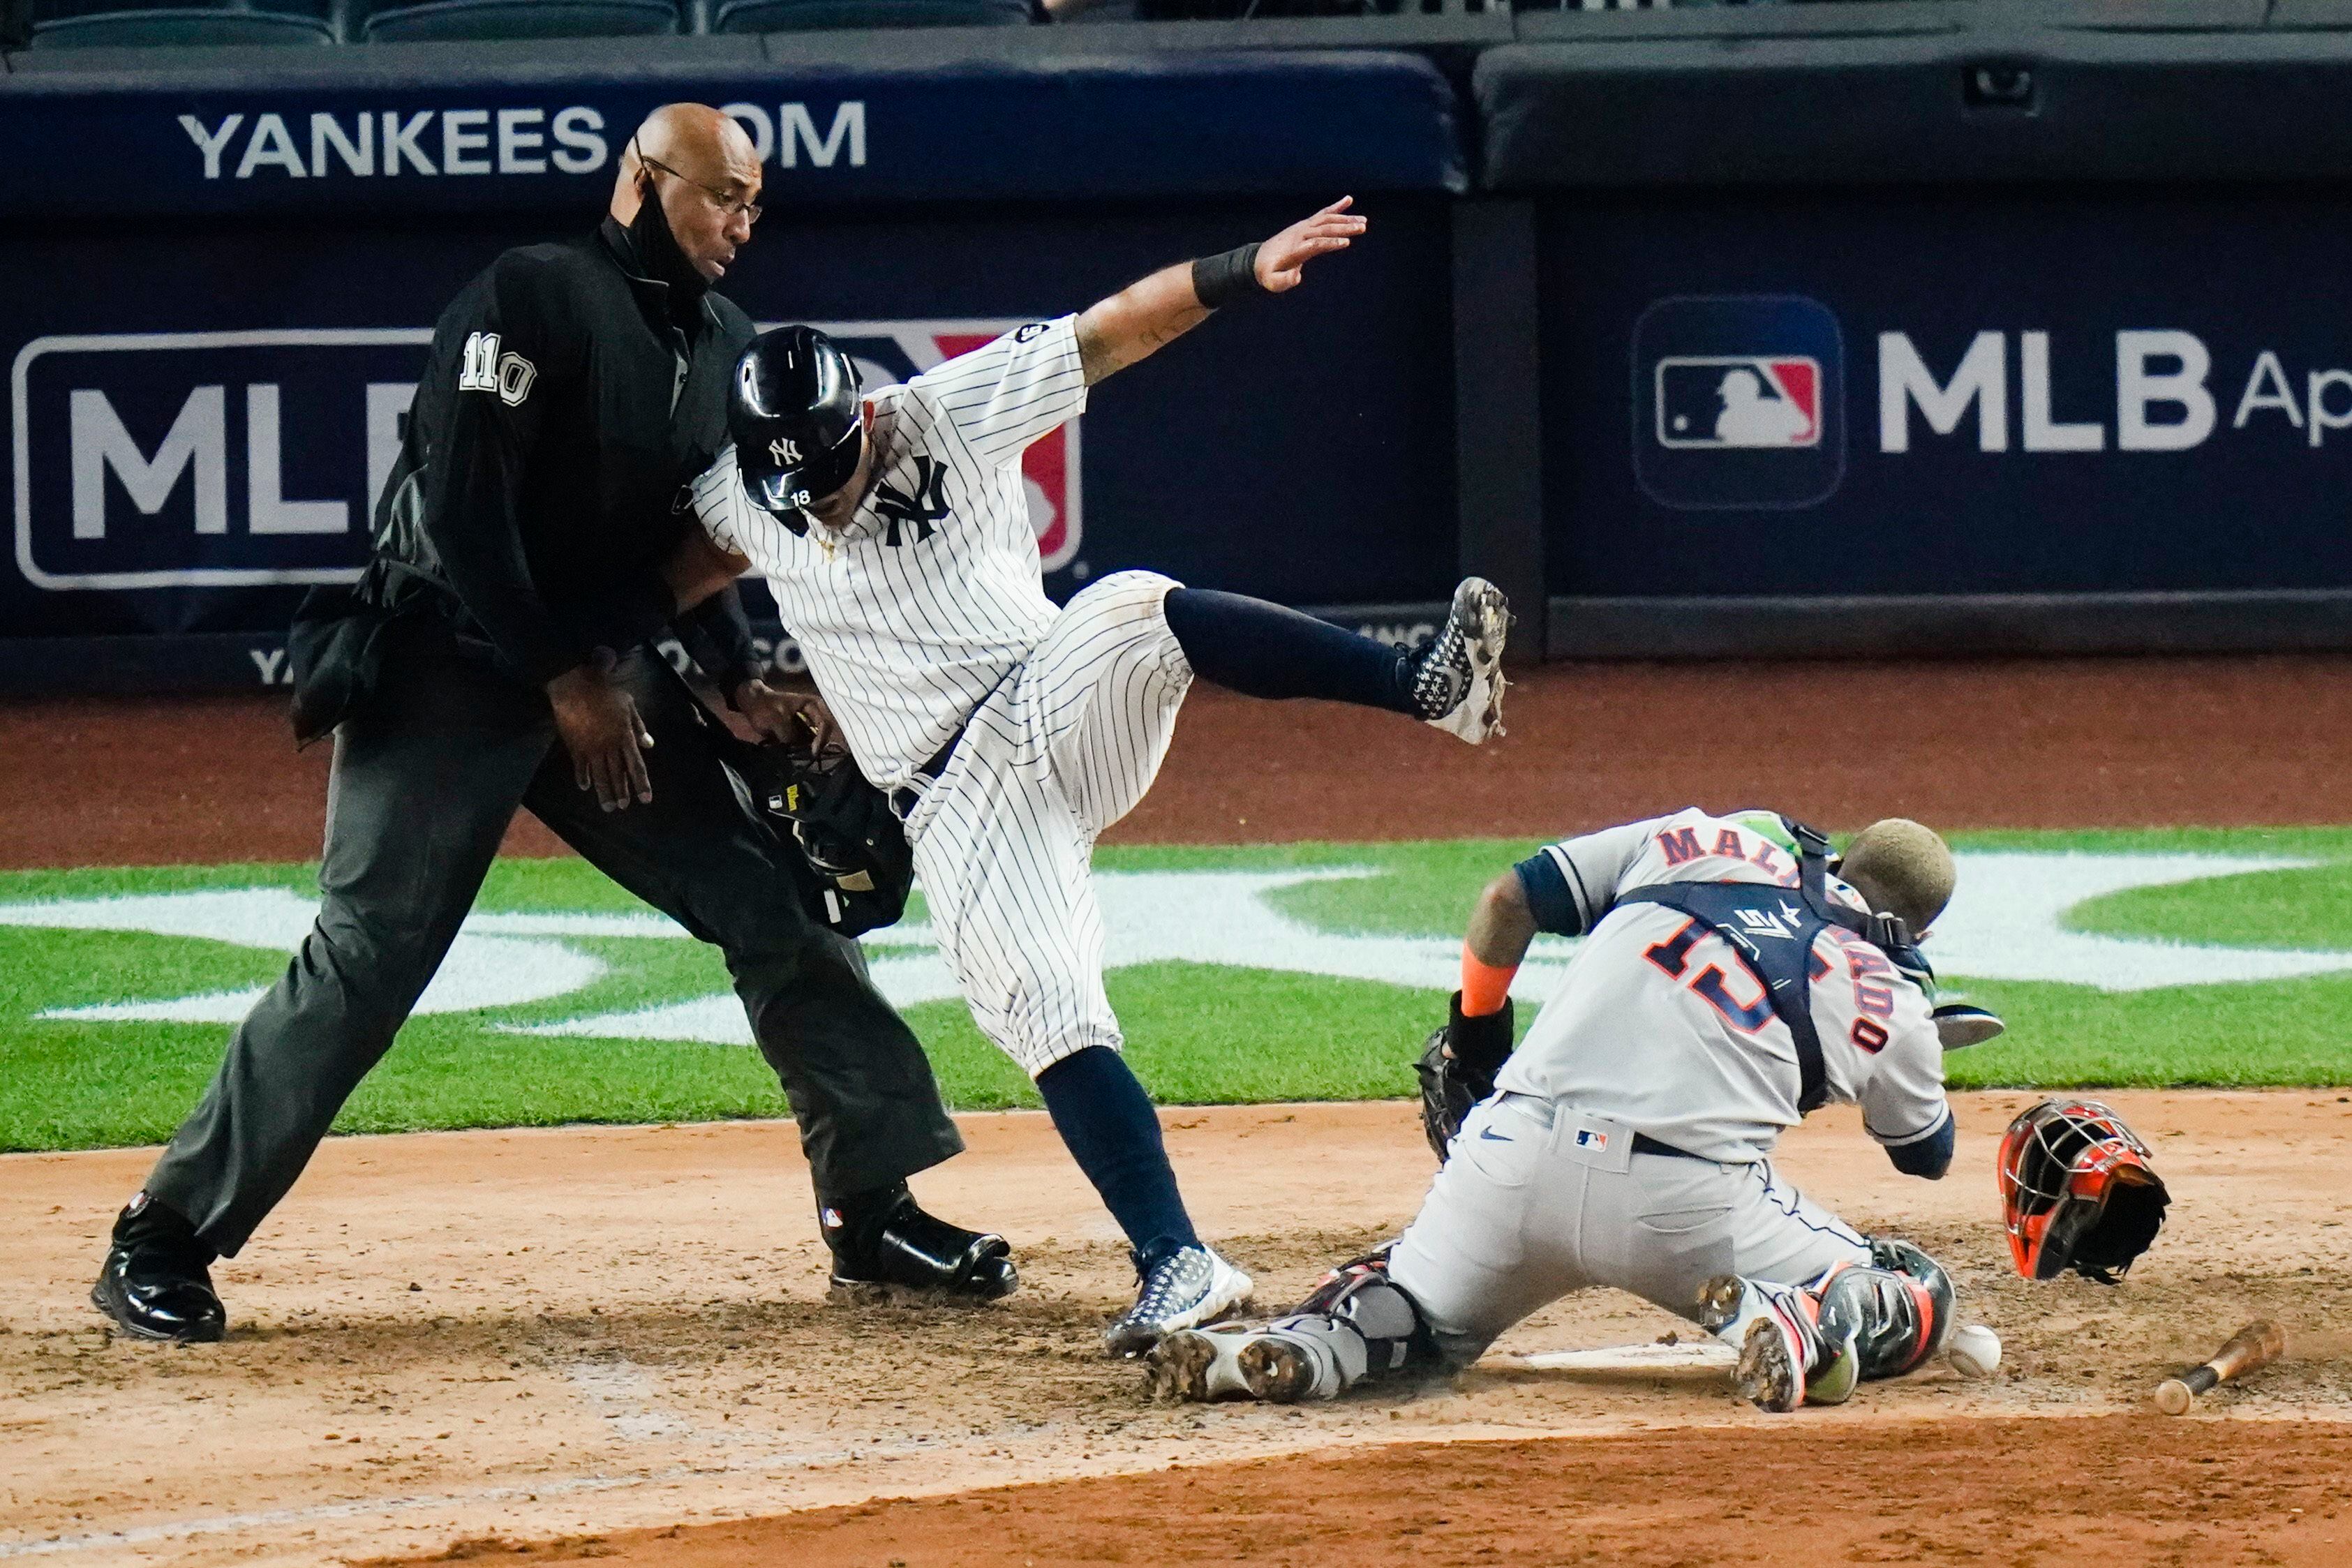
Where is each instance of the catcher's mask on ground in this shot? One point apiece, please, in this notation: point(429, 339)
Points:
point(2077, 1191)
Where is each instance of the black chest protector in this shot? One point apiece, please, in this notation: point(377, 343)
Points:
point(1772, 928)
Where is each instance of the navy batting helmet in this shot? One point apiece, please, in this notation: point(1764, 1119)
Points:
point(797, 419)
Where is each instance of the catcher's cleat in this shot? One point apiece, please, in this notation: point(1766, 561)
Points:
point(1770, 1373)
point(1196, 1364)
point(1240, 1361)
point(1284, 1369)
point(1781, 1351)
point(901, 1249)
point(156, 1282)
point(1457, 680)
point(1186, 1288)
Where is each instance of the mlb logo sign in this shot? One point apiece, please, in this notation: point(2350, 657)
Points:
point(889, 351)
point(1721, 401)
point(1591, 1138)
point(201, 460)
point(1738, 402)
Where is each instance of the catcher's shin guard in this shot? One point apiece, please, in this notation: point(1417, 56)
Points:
point(1897, 1312)
point(1852, 1324)
point(1378, 1311)
point(1356, 1323)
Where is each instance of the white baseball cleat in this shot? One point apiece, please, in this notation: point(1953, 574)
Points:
point(1241, 1360)
point(1457, 682)
point(1188, 1288)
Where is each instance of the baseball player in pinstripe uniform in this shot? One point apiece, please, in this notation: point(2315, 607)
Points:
point(893, 529)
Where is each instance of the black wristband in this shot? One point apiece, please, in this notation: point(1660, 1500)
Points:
point(1482, 1043)
point(1218, 280)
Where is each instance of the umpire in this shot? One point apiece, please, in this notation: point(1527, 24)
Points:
point(497, 654)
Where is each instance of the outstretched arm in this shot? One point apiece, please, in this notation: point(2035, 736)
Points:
point(1147, 315)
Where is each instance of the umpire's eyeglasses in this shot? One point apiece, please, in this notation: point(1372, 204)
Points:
point(731, 205)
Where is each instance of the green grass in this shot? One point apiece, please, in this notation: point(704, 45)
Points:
point(2224, 1037)
point(1198, 1034)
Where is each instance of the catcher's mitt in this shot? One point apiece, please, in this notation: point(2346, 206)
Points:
point(1457, 1069)
point(860, 866)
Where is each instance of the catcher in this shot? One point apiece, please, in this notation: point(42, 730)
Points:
point(1734, 978)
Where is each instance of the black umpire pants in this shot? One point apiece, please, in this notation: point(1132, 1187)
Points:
point(427, 777)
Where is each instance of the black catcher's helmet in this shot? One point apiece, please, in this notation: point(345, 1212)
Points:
point(797, 419)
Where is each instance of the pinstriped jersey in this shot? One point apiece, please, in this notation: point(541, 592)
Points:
point(1660, 1025)
point(932, 592)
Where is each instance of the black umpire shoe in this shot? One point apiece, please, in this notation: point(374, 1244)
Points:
point(884, 1242)
point(157, 1282)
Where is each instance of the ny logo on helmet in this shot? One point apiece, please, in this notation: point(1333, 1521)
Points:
point(786, 452)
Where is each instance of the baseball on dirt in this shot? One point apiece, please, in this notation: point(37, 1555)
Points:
point(1975, 1351)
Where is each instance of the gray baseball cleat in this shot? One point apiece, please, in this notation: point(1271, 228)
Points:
point(1457, 680)
point(1241, 1360)
point(1186, 1288)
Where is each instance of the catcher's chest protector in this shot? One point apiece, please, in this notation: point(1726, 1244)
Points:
point(1773, 933)
point(1772, 929)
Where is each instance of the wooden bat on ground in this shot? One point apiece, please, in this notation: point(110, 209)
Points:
point(2257, 1344)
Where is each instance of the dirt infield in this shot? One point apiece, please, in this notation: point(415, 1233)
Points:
point(2111, 1488)
point(2025, 743)
point(614, 1343)
point(552, 1336)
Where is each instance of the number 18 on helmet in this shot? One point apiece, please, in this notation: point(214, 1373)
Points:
point(797, 422)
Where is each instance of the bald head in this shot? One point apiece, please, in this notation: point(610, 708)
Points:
point(702, 165)
point(1901, 868)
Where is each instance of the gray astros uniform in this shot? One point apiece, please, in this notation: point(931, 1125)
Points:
point(927, 610)
point(1661, 1031)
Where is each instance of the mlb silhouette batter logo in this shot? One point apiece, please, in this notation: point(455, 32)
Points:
point(1738, 402)
point(1718, 400)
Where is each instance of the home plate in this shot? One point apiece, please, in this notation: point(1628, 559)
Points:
point(1656, 1357)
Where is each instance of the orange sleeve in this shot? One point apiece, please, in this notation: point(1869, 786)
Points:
point(1484, 987)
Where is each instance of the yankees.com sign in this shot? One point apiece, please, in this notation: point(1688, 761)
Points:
point(235, 459)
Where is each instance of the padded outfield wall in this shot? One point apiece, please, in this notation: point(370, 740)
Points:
point(206, 393)
point(2027, 311)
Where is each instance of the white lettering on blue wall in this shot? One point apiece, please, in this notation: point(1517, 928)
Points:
point(509, 140)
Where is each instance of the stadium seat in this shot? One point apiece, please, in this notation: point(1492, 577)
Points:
point(65, 24)
point(813, 16)
point(409, 21)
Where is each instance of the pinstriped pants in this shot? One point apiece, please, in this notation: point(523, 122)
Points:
point(1004, 840)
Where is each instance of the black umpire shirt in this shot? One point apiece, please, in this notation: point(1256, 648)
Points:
point(562, 413)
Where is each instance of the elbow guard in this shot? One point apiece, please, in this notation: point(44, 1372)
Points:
point(1931, 1156)
point(1555, 907)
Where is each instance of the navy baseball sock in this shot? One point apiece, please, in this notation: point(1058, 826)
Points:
point(1107, 1119)
point(1263, 649)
